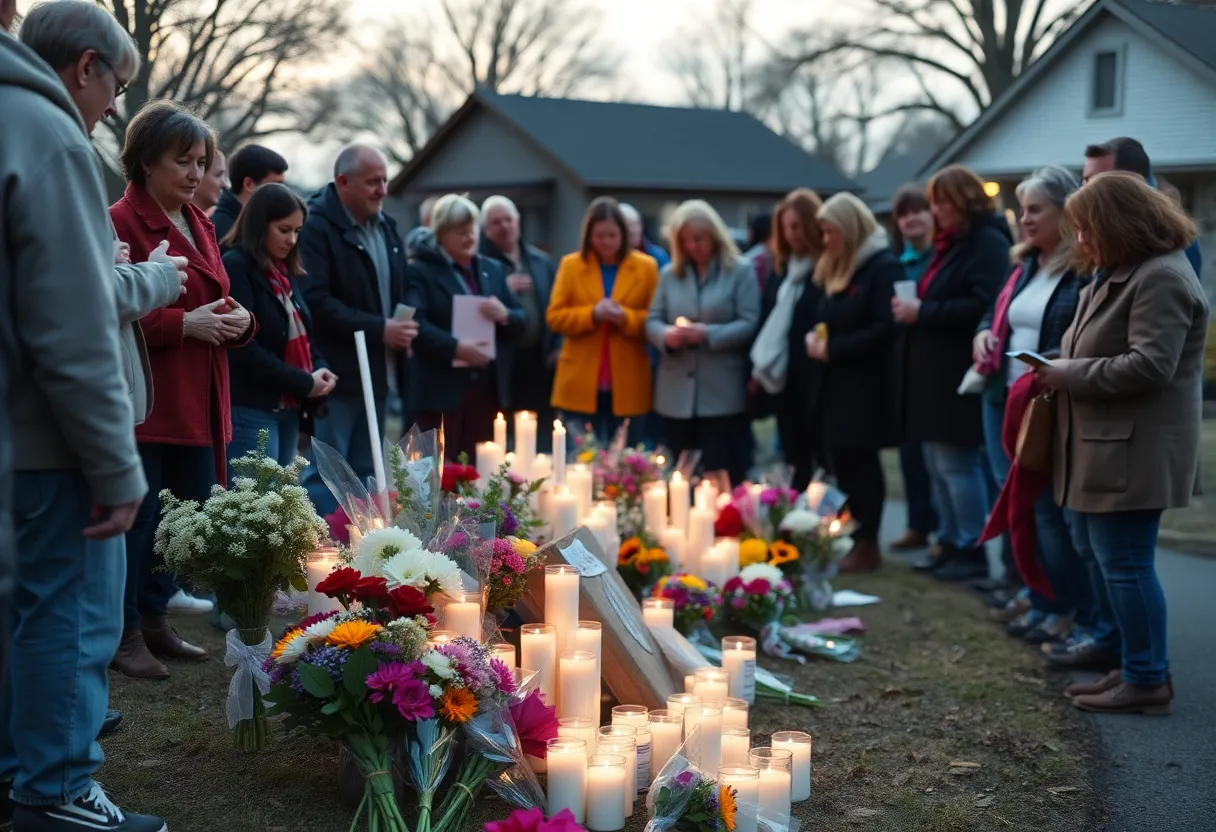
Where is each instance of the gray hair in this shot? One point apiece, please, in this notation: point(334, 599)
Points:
point(499, 201)
point(1055, 184)
point(425, 209)
point(61, 31)
point(631, 213)
point(453, 210)
point(352, 155)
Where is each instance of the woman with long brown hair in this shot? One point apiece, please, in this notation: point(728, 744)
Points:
point(1129, 411)
point(780, 364)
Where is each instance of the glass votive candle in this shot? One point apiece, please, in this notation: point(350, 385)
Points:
point(666, 733)
point(567, 783)
point(538, 651)
point(627, 747)
point(736, 744)
point(678, 702)
point(438, 637)
point(659, 612)
point(645, 745)
point(735, 713)
point(712, 683)
point(739, 660)
point(775, 765)
point(504, 652)
point(745, 780)
point(606, 792)
point(635, 715)
point(463, 615)
point(797, 743)
point(578, 728)
point(708, 718)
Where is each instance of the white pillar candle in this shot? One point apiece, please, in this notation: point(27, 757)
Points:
point(745, 780)
point(500, 431)
point(645, 750)
point(677, 703)
point(709, 719)
point(798, 743)
point(707, 496)
point(561, 602)
point(659, 612)
point(606, 793)
point(599, 525)
point(712, 683)
point(678, 494)
point(735, 713)
point(739, 660)
point(674, 540)
point(730, 551)
point(567, 784)
point(320, 563)
point(525, 442)
point(736, 744)
point(462, 615)
point(542, 469)
point(714, 565)
point(640, 734)
point(578, 685)
point(579, 481)
point(774, 765)
point(700, 538)
point(690, 683)
point(559, 452)
point(590, 637)
point(627, 747)
point(608, 509)
point(579, 728)
point(654, 507)
point(666, 733)
point(504, 652)
point(635, 716)
point(563, 508)
point(489, 458)
point(538, 651)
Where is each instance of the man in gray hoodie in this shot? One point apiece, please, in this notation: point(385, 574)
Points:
point(78, 479)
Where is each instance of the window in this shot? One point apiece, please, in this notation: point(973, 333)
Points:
point(1106, 92)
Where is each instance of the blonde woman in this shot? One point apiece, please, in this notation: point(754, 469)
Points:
point(852, 338)
point(702, 320)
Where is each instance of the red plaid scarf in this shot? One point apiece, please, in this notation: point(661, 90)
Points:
point(297, 353)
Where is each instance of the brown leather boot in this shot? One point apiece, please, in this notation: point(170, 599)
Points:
point(164, 641)
point(1104, 684)
point(1129, 699)
point(134, 659)
point(865, 556)
point(911, 539)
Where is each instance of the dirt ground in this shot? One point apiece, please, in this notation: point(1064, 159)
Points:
point(938, 686)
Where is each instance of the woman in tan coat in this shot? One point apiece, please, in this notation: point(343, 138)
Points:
point(1129, 410)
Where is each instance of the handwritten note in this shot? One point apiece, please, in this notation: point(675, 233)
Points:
point(588, 565)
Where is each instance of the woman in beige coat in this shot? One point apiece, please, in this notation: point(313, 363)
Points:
point(1129, 410)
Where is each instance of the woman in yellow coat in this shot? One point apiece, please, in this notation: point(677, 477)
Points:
point(599, 306)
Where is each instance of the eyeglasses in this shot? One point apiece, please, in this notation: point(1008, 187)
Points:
point(120, 86)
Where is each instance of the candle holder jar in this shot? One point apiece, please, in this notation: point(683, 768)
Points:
point(438, 637)
point(739, 660)
point(627, 747)
point(606, 781)
point(578, 684)
point(744, 780)
point(504, 652)
point(798, 743)
point(580, 728)
point(538, 652)
point(636, 716)
point(464, 615)
point(566, 786)
point(735, 713)
point(736, 744)
point(712, 683)
point(666, 733)
point(659, 612)
point(775, 765)
point(677, 703)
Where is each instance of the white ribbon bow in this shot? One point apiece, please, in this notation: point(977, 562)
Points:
point(248, 660)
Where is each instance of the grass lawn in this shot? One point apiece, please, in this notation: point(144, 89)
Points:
point(938, 684)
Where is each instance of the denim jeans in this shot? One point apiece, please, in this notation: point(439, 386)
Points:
point(284, 428)
point(918, 490)
point(997, 472)
point(1130, 602)
point(188, 473)
point(960, 491)
point(345, 430)
point(68, 622)
point(1066, 571)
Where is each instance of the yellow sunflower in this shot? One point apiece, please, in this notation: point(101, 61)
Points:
point(353, 634)
point(726, 799)
point(655, 555)
point(693, 582)
point(752, 550)
point(586, 456)
point(281, 645)
point(783, 552)
point(459, 706)
point(628, 549)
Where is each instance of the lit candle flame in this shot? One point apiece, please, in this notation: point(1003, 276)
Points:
point(557, 424)
point(835, 527)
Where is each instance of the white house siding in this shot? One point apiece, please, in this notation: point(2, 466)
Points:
point(1166, 105)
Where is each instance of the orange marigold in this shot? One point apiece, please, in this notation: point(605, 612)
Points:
point(726, 799)
point(782, 552)
point(281, 644)
point(459, 706)
point(353, 634)
point(628, 549)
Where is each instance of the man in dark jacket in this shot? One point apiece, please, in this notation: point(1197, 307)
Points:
point(354, 264)
point(250, 166)
point(530, 276)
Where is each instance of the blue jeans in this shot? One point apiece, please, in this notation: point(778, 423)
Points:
point(999, 465)
point(283, 426)
point(1066, 571)
point(960, 492)
point(188, 473)
point(1130, 602)
point(68, 622)
point(918, 490)
point(345, 430)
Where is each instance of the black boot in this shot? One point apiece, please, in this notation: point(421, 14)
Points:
point(967, 565)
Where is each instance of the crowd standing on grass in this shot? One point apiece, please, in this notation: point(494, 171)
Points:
point(146, 346)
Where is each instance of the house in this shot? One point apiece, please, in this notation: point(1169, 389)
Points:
point(553, 156)
point(892, 172)
point(1124, 68)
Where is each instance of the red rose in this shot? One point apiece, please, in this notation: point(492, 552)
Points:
point(454, 473)
point(759, 586)
point(733, 584)
point(370, 590)
point(407, 602)
point(729, 522)
point(340, 582)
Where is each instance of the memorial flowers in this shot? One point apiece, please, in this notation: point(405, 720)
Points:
point(642, 563)
point(757, 597)
point(690, 801)
point(695, 600)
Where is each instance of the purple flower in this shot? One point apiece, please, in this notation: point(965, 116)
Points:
point(504, 678)
point(384, 648)
point(456, 541)
point(468, 659)
point(684, 778)
point(770, 497)
point(413, 701)
point(510, 524)
point(408, 692)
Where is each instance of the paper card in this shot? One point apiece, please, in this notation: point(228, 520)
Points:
point(588, 564)
point(404, 312)
point(468, 324)
point(1028, 357)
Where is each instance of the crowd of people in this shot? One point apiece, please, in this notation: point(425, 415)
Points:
point(148, 346)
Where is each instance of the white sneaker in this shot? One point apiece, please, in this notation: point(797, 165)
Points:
point(184, 603)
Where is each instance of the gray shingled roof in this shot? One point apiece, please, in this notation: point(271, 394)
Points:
point(1192, 25)
point(615, 145)
point(892, 173)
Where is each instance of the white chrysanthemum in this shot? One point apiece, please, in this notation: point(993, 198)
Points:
point(406, 569)
point(294, 649)
point(767, 571)
point(438, 664)
point(801, 521)
point(443, 573)
point(379, 545)
point(321, 629)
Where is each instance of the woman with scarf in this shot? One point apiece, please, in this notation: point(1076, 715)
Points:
point(970, 261)
point(781, 367)
point(1031, 314)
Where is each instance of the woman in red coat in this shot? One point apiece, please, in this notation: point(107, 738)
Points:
point(182, 442)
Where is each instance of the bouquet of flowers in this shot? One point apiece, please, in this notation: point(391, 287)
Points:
point(692, 802)
point(756, 598)
point(695, 600)
point(533, 820)
point(820, 543)
point(246, 545)
point(642, 563)
point(621, 474)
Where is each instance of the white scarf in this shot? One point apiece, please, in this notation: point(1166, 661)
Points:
point(771, 351)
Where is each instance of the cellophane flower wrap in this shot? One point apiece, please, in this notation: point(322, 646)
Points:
point(756, 599)
point(642, 563)
point(821, 543)
point(696, 601)
point(507, 553)
point(620, 474)
point(683, 798)
point(246, 544)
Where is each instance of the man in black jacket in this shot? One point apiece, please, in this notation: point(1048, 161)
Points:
point(250, 166)
point(354, 264)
